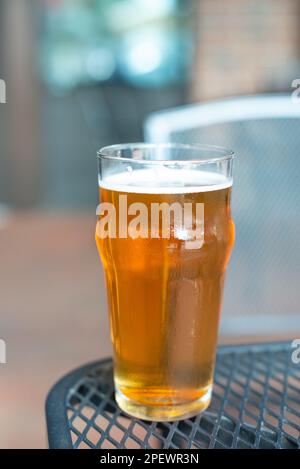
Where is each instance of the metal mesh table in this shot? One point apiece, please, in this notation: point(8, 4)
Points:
point(255, 404)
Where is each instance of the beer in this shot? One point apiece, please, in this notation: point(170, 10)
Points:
point(165, 297)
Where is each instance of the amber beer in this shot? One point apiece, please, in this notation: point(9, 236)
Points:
point(164, 296)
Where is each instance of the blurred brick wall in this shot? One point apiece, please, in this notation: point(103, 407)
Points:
point(245, 46)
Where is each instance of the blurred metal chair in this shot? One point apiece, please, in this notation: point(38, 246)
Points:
point(262, 294)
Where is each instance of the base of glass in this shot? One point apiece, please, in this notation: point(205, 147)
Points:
point(159, 413)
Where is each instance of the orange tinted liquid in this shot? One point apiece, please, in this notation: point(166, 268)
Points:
point(164, 303)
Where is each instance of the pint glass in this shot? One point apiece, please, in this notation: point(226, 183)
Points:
point(164, 233)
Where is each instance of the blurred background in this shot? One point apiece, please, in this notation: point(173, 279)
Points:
point(81, 74)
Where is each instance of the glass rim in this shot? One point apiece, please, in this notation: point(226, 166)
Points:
point(112, 152)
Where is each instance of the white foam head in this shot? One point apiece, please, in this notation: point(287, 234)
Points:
point(165, 181)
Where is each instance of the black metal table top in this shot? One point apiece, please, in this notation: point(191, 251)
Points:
point(255, 404)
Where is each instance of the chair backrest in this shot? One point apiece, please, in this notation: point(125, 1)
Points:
point(262, 293)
